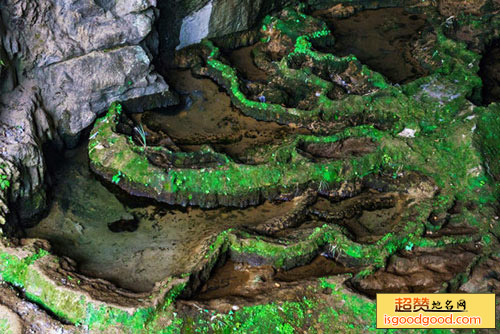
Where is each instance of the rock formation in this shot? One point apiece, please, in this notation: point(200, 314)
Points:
point(394, 184)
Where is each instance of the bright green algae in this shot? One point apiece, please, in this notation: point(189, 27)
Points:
point(488, 142)
point(452, 139)
point(443, 148)
point(285, 168)
point(314, 314)
point(69, 305)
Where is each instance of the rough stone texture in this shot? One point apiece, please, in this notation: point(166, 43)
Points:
point(292, 218)
point(69, 60)
point(422, 270)
point(83, 54)
point(229, 16)
point(485, 277)
point(226, 17)
point(72, 59)
point(82, 87)
point(10, 322)
point(169, 25)
point(454, 7)
point(8, 79)
point(195, 26)
point(366, 4)
point(26, 317)
point(24, 125)
point(46, 32)
point(55, 285)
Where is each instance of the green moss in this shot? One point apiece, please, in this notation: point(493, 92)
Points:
point(457, 72)
point(410, 106)
point(449, 147)
point(22, 273)
point(344, 313)
point(100, 318)
point(229, 178)
point(5, 326)
point(66, 303)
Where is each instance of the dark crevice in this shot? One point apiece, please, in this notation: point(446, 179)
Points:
point(105, 4)
point(489, 71)
point(124, 225)
point(21, 294)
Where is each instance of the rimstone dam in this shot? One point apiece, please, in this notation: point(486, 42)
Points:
point(239, 166)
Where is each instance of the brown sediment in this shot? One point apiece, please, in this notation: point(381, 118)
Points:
point(208, 118)
point(241, 284)
point(381, 39)
point(167, 241)
point(242, 60)
point(338, 150)
point(419, 270)
point(138, 246)
point(368, 216)
point(293, 218)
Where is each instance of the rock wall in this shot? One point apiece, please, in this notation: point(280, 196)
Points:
point(195, 26)
point(83, 55)
point(24, 126)
point(183, 23)
point(63, 63)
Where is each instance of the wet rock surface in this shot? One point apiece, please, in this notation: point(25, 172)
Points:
point(384, 39)
point(473, 22)
point(154, 242)
point(292, 219)
point(24, 317)
point(243, 60)
point(207, 117)
point(368, 216)
point(240, 284)
point(339, 150)
point(419, 271)
point(293, 99)
point(337, 172)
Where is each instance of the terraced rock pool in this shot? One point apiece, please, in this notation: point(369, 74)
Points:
point(339, 144)
point(126, 240)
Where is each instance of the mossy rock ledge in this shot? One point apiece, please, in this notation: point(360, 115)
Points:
point(384, 115)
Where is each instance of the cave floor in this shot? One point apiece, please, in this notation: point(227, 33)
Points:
point(336, 157)
point(167, 241)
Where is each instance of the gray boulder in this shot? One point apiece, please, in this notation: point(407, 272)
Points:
point(183, 23)
point(64, 62)
point(44, 32)
point(76, 90)
point(84, 55)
